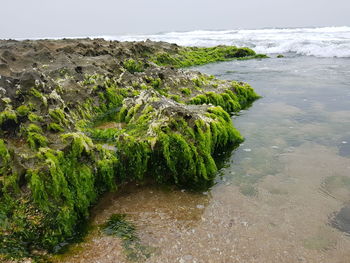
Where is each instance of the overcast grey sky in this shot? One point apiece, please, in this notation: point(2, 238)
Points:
point(59, 18)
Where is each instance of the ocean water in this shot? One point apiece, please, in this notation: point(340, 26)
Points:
point(319, 42)
point(283, 195)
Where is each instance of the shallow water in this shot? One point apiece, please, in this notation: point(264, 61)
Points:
point(282, 193)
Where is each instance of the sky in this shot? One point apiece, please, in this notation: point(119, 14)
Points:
point(83, 18)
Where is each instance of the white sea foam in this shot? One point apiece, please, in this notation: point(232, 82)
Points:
point(319, 42)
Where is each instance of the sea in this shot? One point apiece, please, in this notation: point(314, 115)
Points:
point(318, 42)
point(282, 196)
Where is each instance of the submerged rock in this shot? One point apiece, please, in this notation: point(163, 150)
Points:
point(344, 148)
point(341, 220)
point(81, 117)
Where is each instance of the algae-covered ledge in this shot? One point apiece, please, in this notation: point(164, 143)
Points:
point(82, 117)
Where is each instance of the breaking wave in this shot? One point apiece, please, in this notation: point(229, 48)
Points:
point(319, 42)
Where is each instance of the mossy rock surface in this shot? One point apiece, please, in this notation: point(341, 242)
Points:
point(82, 117)
point(190, 56)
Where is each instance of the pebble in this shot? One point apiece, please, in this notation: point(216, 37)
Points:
point(200, 206)
point(188, 257)
point(247, 150)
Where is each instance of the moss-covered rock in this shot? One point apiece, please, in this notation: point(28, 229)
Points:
point(81, 122)
point(191, 56)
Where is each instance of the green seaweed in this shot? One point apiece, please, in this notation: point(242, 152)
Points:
point(191, 56)
point(65, 187)
point(232, 100)
point(133, 66)
point(118, 226)
point(33, 117)
point(176, 98)
point(134, 155)
point(103, 135)
point(36, 93)
point(245, 93)
point(23, 110)
point(55, 127)
point(58, 115)
point(186, 91)
point(5, 158)
point(8, 115)
point(182, 153)
point(35, 137)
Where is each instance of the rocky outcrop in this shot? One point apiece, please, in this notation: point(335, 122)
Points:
point(82, 117)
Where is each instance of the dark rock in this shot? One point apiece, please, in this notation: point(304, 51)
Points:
point(79, 70)
point(5, 70)
point(7, 87)
point(28, 80)
point(341, 220)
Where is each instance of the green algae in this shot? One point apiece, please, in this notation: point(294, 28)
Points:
point(55, 127)
point(239, 96)
point(133, 66)
point(37, 94)
point(192, 56)
point(7, 115)
point(64, 187)
point(23, 110)
point(119, 226)
point(58, 115)
point(35, 137)
point(176, 98)
point(245, 93)
point(4, 154)
point(33, 117)
point(186, 91)
point(180, 150)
